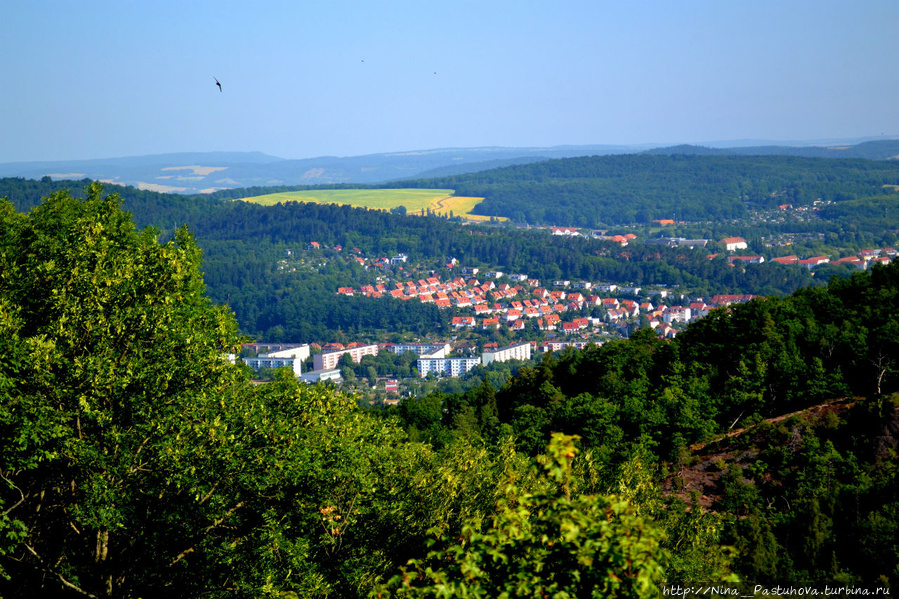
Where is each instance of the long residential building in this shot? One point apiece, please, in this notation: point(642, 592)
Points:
point(446, 366)
point(294, 363)
point(520, 351)
point(316, 376)
point(329, 360)
point(433, 350)
point(301, 351)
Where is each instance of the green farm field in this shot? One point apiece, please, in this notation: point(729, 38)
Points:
point(416, 201)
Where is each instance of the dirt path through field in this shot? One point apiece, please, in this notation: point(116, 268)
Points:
point(439, 203)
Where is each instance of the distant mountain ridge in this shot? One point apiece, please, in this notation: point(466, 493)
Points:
point(205, 172)
point(887, 149)
point(192, 173)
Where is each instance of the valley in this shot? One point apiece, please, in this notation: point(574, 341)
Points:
point(706, 344)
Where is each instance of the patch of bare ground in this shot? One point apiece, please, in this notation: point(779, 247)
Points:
point(704, 472)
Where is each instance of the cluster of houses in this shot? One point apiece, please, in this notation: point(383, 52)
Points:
point(381, 262)
point(457, 292)
point(863, 260)
point(520, 307)
point(522, 304)
point(573, 232)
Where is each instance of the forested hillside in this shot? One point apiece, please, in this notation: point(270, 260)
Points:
point(884, 149)
point(243, 244)
point(614, 190)
point(136, 460)
point(712, 197)
point(810, 498)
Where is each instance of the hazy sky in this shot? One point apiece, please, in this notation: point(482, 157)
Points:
point(102, 79)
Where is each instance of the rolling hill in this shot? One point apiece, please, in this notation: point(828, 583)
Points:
point(204, 172)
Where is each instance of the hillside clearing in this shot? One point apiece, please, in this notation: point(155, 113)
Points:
point(416, 201)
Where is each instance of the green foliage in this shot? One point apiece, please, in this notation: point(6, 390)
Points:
point(135, 459)
point(806, 510)
point(542, 544)
point(112, 342)
point(637, 188)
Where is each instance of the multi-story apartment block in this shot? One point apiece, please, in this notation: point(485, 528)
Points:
point(521, 351)
point(302, 352)
point(294, 363)
point(433, 350)
point(316, 376)
point(446, 366)
point(557, 346)
point(329, 360)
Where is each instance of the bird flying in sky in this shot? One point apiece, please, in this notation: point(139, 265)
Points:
point(217, 83)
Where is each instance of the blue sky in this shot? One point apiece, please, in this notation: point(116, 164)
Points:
point(102, 79)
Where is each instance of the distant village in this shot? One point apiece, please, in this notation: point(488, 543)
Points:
point(569, 313)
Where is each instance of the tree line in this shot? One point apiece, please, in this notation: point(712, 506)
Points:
point(602, 191)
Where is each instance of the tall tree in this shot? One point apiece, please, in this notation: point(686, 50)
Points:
point(115, 357)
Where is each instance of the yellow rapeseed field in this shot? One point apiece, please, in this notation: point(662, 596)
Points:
point(416, 201)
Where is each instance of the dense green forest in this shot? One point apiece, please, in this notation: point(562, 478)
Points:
point(712, 197)
point(881, 149)
point(806, 499)
point(603, 191)
point(136, 460)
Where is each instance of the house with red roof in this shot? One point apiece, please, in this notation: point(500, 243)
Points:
point(726, 300)
point(811, 263)
point(854, 261)
point(734, 243)
point(792, 259)
point(747, 259)
point(463, 321)
point(490, 323)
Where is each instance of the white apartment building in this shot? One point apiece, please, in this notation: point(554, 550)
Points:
point(329, 360)
point(446, 366)
point(432, 350)
point(315, 376)
point(677, 314)
point(734, 243)
point(294, 363)
point(558, 346)
point(302, 352)
point(521, 351)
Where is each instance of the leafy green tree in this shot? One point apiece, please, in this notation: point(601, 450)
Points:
point(116, 355)
point(544, 543)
